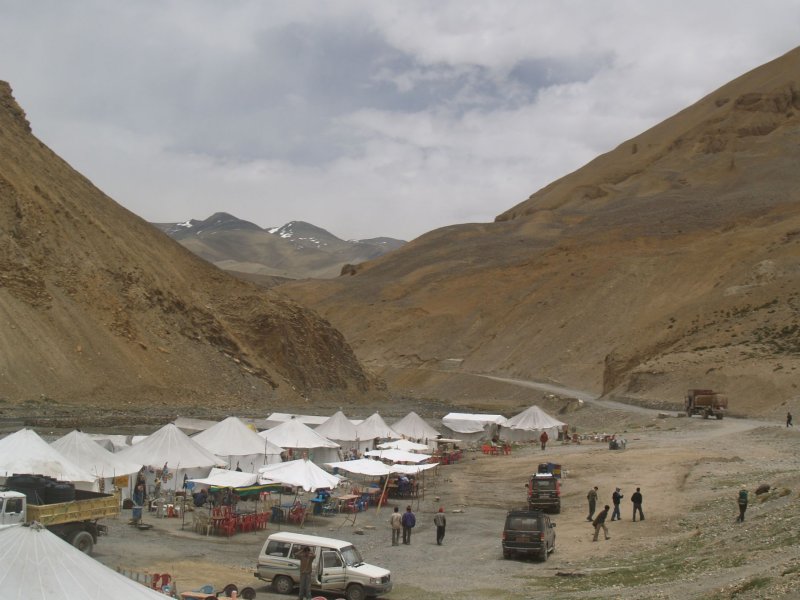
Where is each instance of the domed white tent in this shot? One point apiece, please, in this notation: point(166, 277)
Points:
point(298, 437)
point(25, 452)
point(172, 448)
point(39, 564)
point(529, 424)
point(238, 445)
point(91, 456)
point(298, 473)
point(472, 427)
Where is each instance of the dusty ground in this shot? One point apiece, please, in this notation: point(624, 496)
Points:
point(688, 547)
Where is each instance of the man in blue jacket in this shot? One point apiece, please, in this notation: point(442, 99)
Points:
point(409, 521)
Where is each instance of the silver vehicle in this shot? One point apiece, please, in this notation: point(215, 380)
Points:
point(338, 567)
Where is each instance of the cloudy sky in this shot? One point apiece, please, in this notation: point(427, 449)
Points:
point(366, 118)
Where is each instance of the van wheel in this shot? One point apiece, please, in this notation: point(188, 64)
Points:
point(83, 541)
point(544, 554)
point(283, 584)
point(248, 593)
point(506, 554)
point(355, 592)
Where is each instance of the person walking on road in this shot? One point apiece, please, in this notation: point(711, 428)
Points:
point(788, 419)
point(616, 498)
point(543, 439)
point(441, 522)
point(742, 502)
point(592, 498)
point(600, 522)
point(396, 523)
point(306, 556)
point(636, 498)
point(408, 522)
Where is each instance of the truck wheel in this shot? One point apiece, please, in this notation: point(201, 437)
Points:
point(83, 541)
point(355, 592)
point(719, 417)
point(544, 553)
point(507, 554)
point(283, 584)
point(705, 415)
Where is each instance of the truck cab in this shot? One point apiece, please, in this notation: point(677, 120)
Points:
point(12, 508)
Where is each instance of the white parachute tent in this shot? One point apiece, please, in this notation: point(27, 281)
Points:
point(394, 455)
point(170, 447)
point(39, 564)
point(300, 438)
point(225, 478)
point(338, 428)
point(189, 425)
point(529, 424)
point(275, 419)
point(414, 427)
point(472, 427)
point(406, 445)
point(375, 427)
point(238, 445)
point(91, 456)
point(25, 452)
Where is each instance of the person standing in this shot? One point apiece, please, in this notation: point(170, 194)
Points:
point(636, 498)
point(408, 522)
point(742, 502)
point(616, 498)
point(788, 419)
point(306, 556)
point(600, 522)
point(592, 498)
point(441, 522)
point(396, 522)
point(543, 439)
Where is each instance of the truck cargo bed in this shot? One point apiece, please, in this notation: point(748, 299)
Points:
point(90, 507)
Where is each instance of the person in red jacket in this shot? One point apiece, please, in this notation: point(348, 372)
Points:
point(543, 439)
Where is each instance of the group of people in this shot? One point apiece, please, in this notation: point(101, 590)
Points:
point(407, 521)
point(599, 521)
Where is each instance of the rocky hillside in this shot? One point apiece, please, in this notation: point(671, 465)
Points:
point(295, 251)
point(669, 262)
point(99, 308)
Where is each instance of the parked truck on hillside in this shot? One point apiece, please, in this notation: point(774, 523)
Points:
point(76, 521)
point(705, 402)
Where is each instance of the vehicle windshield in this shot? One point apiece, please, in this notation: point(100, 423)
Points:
point(351, 556)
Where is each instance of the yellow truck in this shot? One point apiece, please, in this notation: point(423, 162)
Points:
point(75, 521)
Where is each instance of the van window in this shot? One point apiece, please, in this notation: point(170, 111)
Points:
point(351, 556)
point(278, 548)
point(331, 558)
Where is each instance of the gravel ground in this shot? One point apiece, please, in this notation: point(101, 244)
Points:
point(689, 472)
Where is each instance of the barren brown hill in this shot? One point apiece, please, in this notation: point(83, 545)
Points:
point(669, 262)
point(99, 308)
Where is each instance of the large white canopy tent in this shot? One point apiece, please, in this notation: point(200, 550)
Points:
point(91, 456)
point(276, 418)
point(298, 473)
point(39, 564)
point(406, 445)
point(300, 437)
point(190, 425)
point(171, 447)
point(25, 452)
point(375, 427)
point(529, 424)
point(112, 442)
point(472, 427)
point(414, 427)
point(236, 444)
point(395, 455)
point(338, 428)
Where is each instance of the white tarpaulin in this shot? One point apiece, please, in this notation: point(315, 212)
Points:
point(111, 441)
point(362, 466)
point(375, 427)
point(529, 424)
point(237, 444)
point(413, 469)
point(472, 427)
point(398, 455)
point(276, 419)
point(339, 428)
point(298, 473)
point(189, 425)
point(294, 434)
point(406, 445)
point(225, 478)
point(38, 564)
point(25, 452)
point(170, 446)
point(413, 426)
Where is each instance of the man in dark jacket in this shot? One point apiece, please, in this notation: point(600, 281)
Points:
point(616, 497)
point(636, 498)
point(409, 521)
point(441, 522)
point(600, 522)
point(592, 498)
point(742, 502)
